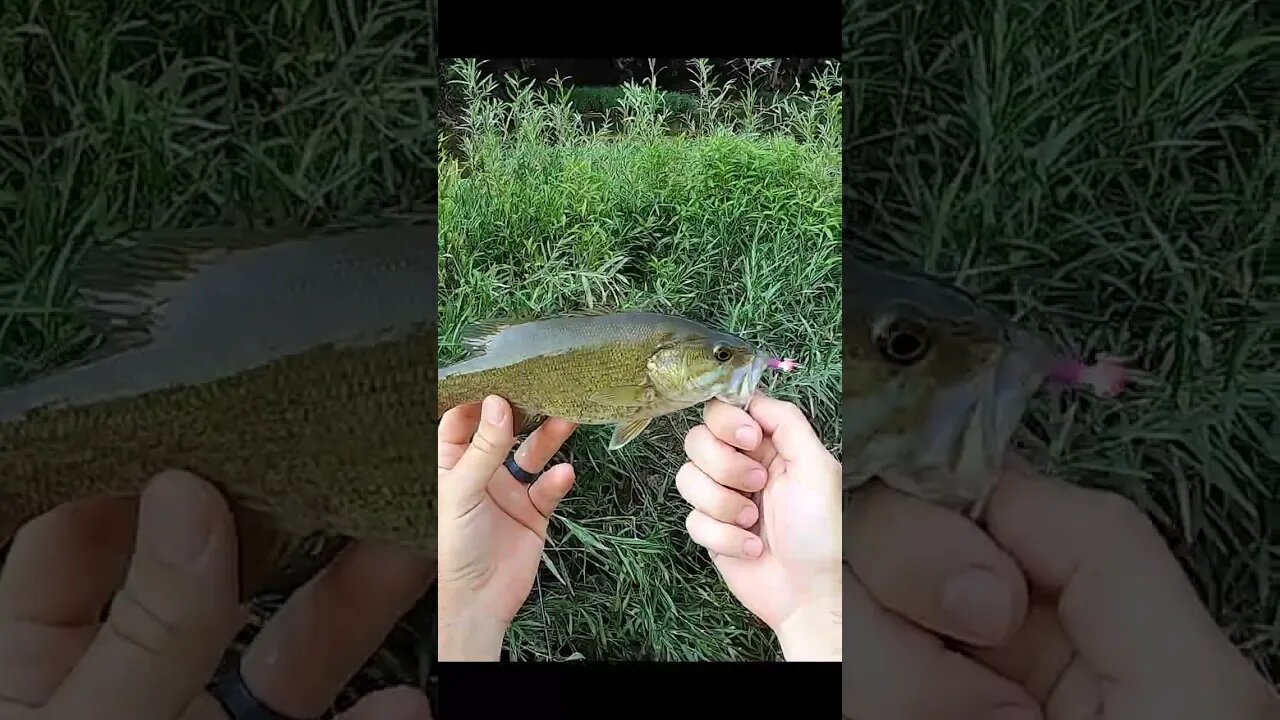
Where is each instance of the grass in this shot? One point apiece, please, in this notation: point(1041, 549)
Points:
point(731, 221)
point(156, 114)
point(164, 114)
point(1110, 172)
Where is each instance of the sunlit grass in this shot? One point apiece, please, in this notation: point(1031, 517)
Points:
point(727, 216)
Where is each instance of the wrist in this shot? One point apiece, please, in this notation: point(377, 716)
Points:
point(467, 635)
point(813, 633)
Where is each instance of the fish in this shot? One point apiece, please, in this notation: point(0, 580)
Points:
point(293, 369)
point(935, 383)
point(598, 368)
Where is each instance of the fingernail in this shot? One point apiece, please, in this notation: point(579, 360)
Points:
point(980, 602)
point(492, 411)
point(747, 517)
point(174, 519)
point(746, 437)
point(753, 547)
point(757, 479)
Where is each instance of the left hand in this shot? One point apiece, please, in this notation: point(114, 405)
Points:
point(492, 527)
point(177, 612)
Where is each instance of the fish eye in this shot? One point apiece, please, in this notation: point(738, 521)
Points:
point(903, 342)
point(722, 353)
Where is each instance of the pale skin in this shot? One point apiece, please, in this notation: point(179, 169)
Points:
point(1068, 607)
point(764, 503)
point(1065, 604)
point(176, 612)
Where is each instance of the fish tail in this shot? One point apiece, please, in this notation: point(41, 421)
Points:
point(452, 393)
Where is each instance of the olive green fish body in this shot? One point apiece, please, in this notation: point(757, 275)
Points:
point(295, 374)
point(934, 385)
point(618, 369)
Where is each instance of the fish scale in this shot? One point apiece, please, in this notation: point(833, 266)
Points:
point(601, 368)
point(295, 372)
point(593, 370)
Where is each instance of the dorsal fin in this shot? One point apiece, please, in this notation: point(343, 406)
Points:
point(125, 281)
point(477, 336)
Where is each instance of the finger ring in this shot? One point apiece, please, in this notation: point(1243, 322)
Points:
point(238, 701)
point(518, 472)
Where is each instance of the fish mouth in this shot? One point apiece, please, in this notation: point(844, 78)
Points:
point(744, 381)
point(1018, 375)
point(972, 425)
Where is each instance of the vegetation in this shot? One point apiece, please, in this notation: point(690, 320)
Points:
point(170, 115)
point(1108, 172)
point(731, 220)
point(160, 114)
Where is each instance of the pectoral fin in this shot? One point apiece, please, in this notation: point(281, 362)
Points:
point(624, 434)
point(622, 396)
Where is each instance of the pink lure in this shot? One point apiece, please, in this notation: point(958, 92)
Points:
point(1106, 377)
point(785, 365)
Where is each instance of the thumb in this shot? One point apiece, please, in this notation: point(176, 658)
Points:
point(489, 446)
point(1122, 597)
point(790, 432)
point(170, 623)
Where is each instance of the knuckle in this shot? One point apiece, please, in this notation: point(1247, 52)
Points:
point(134, 621)
point(792, 413)
point(684, 476)
point(712, 534)
point(695, 438)
point(724, 417)
point(728, 505)
point(487, 443)
point(691, 526)
point(709, 411)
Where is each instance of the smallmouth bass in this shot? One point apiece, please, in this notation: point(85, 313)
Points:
point(622, 369)
point(935, 384)
point(292, 370)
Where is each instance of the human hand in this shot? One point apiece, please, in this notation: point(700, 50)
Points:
point(177, 612)
point(943, 625)
point(492, 527)
point(766, 503)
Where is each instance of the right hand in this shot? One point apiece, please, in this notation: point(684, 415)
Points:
point(1110, 630)
point(766, 503)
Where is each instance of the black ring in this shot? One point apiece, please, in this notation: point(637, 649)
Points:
point(238, 701)
point(518, 472)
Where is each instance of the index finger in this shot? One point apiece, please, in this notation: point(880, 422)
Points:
point(328, 628)
point(1106, 563)
point(732, 425)
point(788, 428)
point(60, 573)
